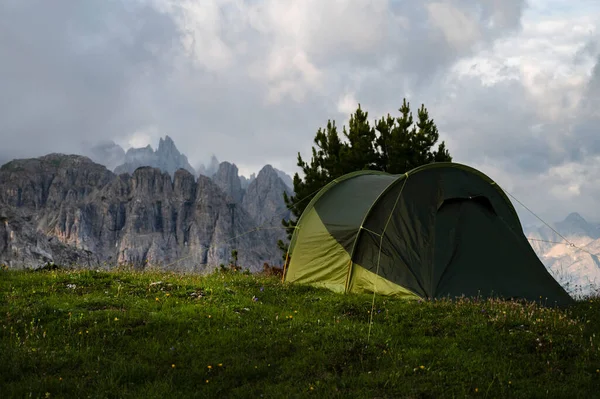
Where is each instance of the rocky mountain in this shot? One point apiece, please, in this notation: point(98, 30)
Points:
point(228, 180)
point(107, 153)
point(67, 209)
point(210, 169)
point(245, 181)
point(166, 158)
point(287, 179)
point(263, 199)
point(577, 267)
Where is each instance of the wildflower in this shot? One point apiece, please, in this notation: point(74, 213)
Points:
point(220, 364)
point(262, 289)
point(476, 389)
point(207, 381)
point(173, 366)
point(209, 367)
point(209, 316)
point(422, 367)
point(311, 388)
point(255, 299)
point(116, 318)
point(157, 298)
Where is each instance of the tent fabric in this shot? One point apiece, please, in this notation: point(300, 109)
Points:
point(440, 230)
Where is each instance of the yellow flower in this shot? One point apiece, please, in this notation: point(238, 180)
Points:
point(209, 367)
point(422, 367)
point(311, 388)
point(207, 381)
point(116, 318)
point(220, 364)
point(173, 366)
point(476, 389)
point(157, 298)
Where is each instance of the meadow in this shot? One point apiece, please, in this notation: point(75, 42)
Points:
point(78, 333)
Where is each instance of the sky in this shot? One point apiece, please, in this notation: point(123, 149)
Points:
point(513, 85)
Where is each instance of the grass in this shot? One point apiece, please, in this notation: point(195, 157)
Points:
point(160, 335)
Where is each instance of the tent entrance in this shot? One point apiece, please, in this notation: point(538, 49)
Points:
point(477, 253)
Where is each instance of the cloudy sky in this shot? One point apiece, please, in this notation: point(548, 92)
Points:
point(514, 86)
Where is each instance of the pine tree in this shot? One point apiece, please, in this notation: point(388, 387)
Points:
point(394, 145)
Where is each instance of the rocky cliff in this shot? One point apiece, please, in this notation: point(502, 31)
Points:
point(70, 210)
point(228, 180)
point(166, 158)
point(263, 200)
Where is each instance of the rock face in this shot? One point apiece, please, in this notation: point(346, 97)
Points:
point(245, 181)
point(287, 179)
point(263, 200)
point(577, 268)
point(228, 180)
point(67, 209)
point(166, 158)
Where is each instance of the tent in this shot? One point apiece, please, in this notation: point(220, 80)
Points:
point(440, 230)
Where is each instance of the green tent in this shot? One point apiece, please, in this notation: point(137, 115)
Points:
point(440, 230)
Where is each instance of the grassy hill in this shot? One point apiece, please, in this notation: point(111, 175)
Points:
point(159, 335)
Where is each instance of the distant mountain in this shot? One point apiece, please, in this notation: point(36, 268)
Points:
point(53, 212)
point(210, 169)
point(576, 268)
point(69, 210)
point(228, 180)
point(287, 179)
point(166, 158)
point(107, 153)
point(245, 181)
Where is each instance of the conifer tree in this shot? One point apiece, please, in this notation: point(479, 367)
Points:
point(393, 144)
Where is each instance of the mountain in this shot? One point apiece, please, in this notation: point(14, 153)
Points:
point(210, 169)
point(68, 210)
point(576, 268)
point(287, 179)
point(245, 181)
point(107, 153)
point(228, 180)
point(263, 199)
point(166, 158)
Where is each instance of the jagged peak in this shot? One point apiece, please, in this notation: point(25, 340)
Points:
point(166, 142)
point(267, 170)
point(575, 217)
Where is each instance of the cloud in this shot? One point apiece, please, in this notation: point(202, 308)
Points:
point(513, 86)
